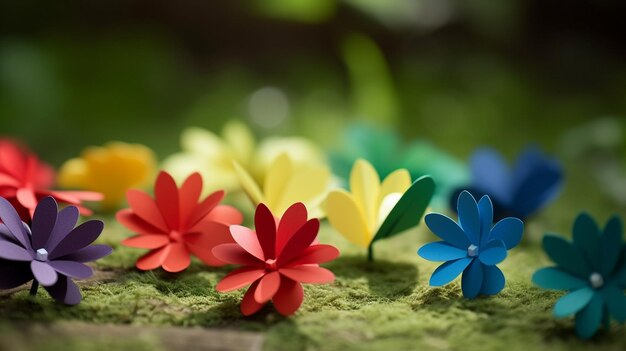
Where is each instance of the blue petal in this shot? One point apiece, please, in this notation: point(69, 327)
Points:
point(448, 271)
point(573, 302)
point(472, 279)
point(509, 230)
point(566, 256)
point(493, 280)
point(447, 230)
point(469, 218)
point(616, 302)
point(485, 209)
point(620, 275)
point(586, 236)
point(589, 319)
point(555, 278)
point(610, 244)
point(441, 251)
point(490, 174)
point(492, 253)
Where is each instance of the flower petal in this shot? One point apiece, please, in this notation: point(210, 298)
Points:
point(66, 220)
point(567, 256)
point(202, 244)
point(10, 218)
point(78, 238)
point(88, 254)
point(44, 221)
point(177, 259)
point(315, 254)
point(485, 210)
point(472, 279)
point(72, 269)
point(227, 215)
point(611, 245)
point(490, 173)
point(267, 288)
point(147, 241)
point(65, 291)
point(146, 209)
point(234, 254)
point(153, 259)
point(493, 253)
point(447, 230)
point(299, 241)
point(205, 208)
point(166, 198)
point(586, 237)
point(469, 217)
point(133, 222)
point(448, 271)
point(308, 274)
point(248, 304)
point(27, 198)
point(493, 280)
point(509, 230)
point(573, 302)
point(188, 195)
point(44, 273)
point(239, 278)
point(289, 297)
point(247, 239)
point(291, 221)
point(265, 227)
point(13, 252)
point(441, 251)
point(555, 278)
point(347, 217)
point(589, 319)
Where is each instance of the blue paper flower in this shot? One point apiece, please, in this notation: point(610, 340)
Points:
point(520, 191)
point(473, 247)
point(593, 269)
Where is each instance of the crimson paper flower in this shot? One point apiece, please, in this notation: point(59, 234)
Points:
point(276, 259)
point(25, 180)
point(174, 225)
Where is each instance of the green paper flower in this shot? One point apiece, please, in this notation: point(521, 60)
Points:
point(593, 269)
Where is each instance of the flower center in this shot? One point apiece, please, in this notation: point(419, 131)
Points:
point(596, 280)
point(271, 264)
point(175, 236)
point(41, 255)
point(472, 251)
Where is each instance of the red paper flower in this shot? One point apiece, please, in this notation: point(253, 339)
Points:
point(174, 225)
point(276, 259)
point(24, 180)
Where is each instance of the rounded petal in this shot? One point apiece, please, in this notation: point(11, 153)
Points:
point(573, 302)
point(509, 230)
point(267, 288)
point(308, 274)
point(146, 208)
point(302, 239)
point(586, 236)
point(166, 198)
point(78, 238)
point(147, 241)
point(292, 220)
point(234, 254)
point(88, 254)
point(492, 253)
point(315, 254)
point(611, 245)
point(10, 218)
point(44, 273)
point(65, 222)
point(225, 214)
point(44, 220)
point(202, 244)
point(485, 210)
point(13, 252)
point(72, 269)
point(249, 306)
point(493, 280)
point(347, 217)
point(469, 217)
point(472, 279)
point(555, 278)
point(27, 198)
point(616, 302)
point(239, 278)
point(65, 291)
point(448, 271)
point(153, 259)
point(589, 319)
point(177, 259)
point(188, 194)
point(490, 173)
point(247, 239)
point(447, 230)
point(566, 256)
point(289, 297)
point(441, 251)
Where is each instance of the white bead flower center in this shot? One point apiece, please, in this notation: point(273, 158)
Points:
point(596, 280)
point(472, 251)
point(42, 255)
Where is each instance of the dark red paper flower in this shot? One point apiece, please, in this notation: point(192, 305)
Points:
point(174, 225)
point(25, 180)
point(276, 259)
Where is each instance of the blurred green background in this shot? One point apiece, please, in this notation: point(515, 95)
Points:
point(460, 73)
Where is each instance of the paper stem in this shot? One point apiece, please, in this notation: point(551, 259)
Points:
point(370, 253)
point(34, 287)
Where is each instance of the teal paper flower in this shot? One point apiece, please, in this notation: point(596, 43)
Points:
point(593, 269)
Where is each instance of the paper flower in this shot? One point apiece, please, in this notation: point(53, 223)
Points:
point(212, 155)
point(373, 210)
point(111, 169)
point(276, 258)
point(175, 224)
point(286, 183)
point(24, 180)
point(528, 186)
point(592, 269)
point(387, 152)
point(473, 247)
point(50, 252)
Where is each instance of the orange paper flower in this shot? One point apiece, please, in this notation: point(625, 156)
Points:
point(277, 259)
point(174, 225)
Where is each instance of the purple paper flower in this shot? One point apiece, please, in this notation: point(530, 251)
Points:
point(50, 252)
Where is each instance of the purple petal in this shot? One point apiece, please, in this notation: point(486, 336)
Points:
point(44, 273)
point(89, 253)
point(44, 218)
point(72, 269)
point(13, 252)
point(78, 238)
point(66, 220)
point(12, 221)
point(14, 274)
point(65, 291)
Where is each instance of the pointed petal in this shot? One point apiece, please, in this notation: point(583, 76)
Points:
point(447, 230)
point(166, 198)
point(188, 195)
point(315, 254)
point(308, 274)
point(292, 220)
point(225, 214)
point(234, 254)
point(153, 259)
point(448, 271)
point(78, 238)
point(89, 253)
point(44, 220)
point(239, 278)
point(567, 256)
point(267, 288)
point(573, 302)
point(485, 210)
point(133, 222)
point(248, 304)
point(177, 259)
point(469, 218)
point(441, 251)
point(616, 302)
point(365, 187)
point(205, 208)
point(249, 185)
point(555, 278)
point(302, 239)
point(348, 218)
point(586, 236)
point(265, 227)
point(44, 273)
point(13, 252)
point(611, 245)
point(65, 291)
point(472, 279)
point(289, 297)
point(147, 241)
point(509, 230)
point(589, 319)
point(66, 220)
point(247, 239)
point(201, 244)
point(146, 209)
point(493, 280)
point(72, 269)
point(493, 253)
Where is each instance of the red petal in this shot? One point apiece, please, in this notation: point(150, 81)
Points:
point(265, 227)
point(225, 214)
point(188, 195)
point(12, 159)
point(247, 239)
point(239, 278)
point(145, 207)
point(166, 197)
point(289, 297)
point(147, 241)
point(248, 305)
point(177, 259)
point(153, 259)
point(202, 244)
point(7, 180)
point(309, 274)
point(131, 221)
point(267, 288)
point(204, 208)
point(83, 195)
point(315, 254)
point(293, 219)
point(234, 254)
point(27, 198)
point(299, 241)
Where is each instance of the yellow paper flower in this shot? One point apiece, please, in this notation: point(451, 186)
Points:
point(212, 155)
point(111, 169)
point(287, 183)
point(358, 214)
